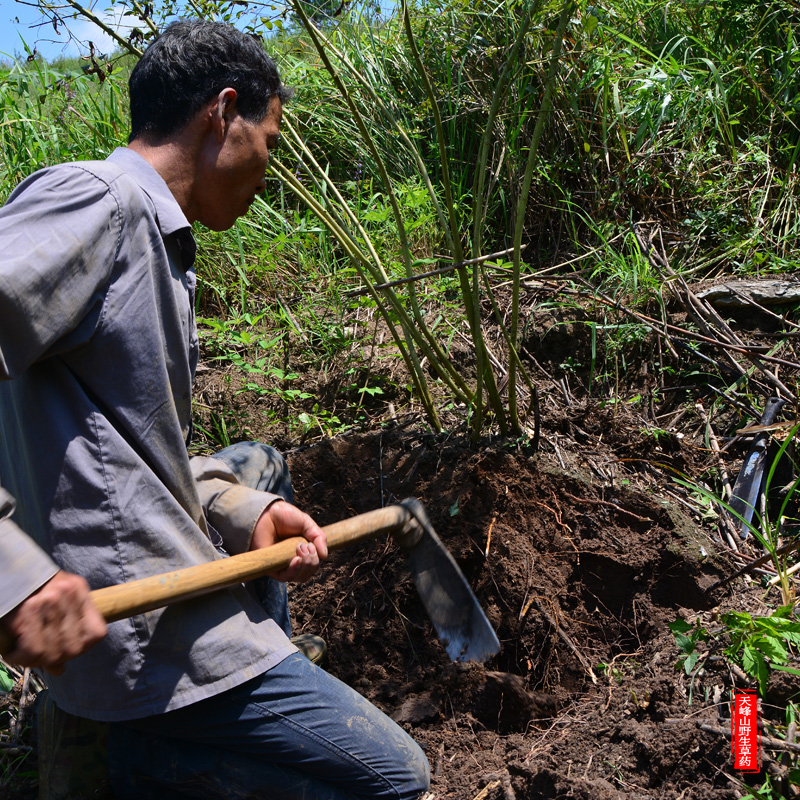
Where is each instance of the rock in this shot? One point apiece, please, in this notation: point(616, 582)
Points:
point(768, 292)
point(416, 710)
point(505, 705)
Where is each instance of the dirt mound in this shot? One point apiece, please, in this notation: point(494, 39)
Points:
point(579, 577)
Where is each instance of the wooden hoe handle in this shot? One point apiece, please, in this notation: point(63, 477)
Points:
point(136, 597)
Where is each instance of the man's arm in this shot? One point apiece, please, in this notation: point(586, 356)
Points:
point(59, 235)
point(248, 519)
point(48, 613)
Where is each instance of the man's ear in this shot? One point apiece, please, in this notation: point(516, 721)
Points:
point(222, 112)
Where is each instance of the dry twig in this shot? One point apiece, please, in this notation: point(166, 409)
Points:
point(787, 548)
point(567, 641)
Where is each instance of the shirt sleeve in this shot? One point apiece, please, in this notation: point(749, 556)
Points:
point(24, 568)
point(59, 236)
point(232, 509)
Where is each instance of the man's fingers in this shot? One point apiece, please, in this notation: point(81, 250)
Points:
point(302, 567)
point(320, 541)
point(54, 624)
point(282, 521)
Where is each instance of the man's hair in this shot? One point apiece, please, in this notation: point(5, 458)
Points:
point(191, 62)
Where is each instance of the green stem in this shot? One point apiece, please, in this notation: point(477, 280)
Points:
point(522, 203)
point(469, 294)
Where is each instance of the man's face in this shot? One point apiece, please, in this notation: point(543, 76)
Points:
point(236, 174)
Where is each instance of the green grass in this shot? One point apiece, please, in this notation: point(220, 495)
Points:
point(50, 114)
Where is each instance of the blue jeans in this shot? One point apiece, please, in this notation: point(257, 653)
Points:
point(293, 733)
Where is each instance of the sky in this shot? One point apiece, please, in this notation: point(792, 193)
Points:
point(17, 19)
point(44, 38)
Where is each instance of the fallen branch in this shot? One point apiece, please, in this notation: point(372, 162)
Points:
point(664, 331)
point(484, 793)
point(607, 503)
point(787, 548)
point(766, 741)
point(750, 302)
point(432, 273)
point(712, 439)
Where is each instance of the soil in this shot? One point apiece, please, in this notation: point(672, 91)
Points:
point(578, 577)
point(580, 554)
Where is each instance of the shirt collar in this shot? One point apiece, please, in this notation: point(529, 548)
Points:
point(169, 216)
point(168, 213)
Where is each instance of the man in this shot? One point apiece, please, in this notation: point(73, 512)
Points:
point(208, 697)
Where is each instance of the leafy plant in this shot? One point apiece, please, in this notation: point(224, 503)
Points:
point(6, 679)
point(756, 644)
point(687, 637)
point(759, 644)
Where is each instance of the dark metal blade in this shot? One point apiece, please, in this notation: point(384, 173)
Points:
point(750, 483)
point(454, 610)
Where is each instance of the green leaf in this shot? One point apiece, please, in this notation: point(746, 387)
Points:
point(754, 663)
point(735, 619)
point(679, 626)
point(773, 649)
point(750, 658)
point(782, 668)
point(6, 681)
point(691, 660)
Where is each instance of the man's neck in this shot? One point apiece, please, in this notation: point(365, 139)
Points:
point(175, 163)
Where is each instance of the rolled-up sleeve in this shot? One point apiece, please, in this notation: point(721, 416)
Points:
point(24, 567)
point(232, 509)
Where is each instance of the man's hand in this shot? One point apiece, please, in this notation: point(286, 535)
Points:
point(54, 624)
point(282, 521)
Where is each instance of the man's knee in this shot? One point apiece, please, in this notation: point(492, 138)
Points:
point(259, 466)
point(417, 778)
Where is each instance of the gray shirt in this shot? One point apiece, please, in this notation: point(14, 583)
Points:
point(24, 568)
point(98, 347)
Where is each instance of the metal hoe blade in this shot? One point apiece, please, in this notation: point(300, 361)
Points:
point(749, 484)
point(454, 610)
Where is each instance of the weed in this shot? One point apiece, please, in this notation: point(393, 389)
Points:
point(756, 644)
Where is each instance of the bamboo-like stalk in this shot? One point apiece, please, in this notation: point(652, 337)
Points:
point(480, 178)
point(522, 203)
point(408, 353)
point(363, 265)
point(469, 294)
point(454, 381)
point(323, 44)
point(440, 360)
point(370, 143)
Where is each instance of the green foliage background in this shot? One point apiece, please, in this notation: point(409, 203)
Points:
point(680, 114)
